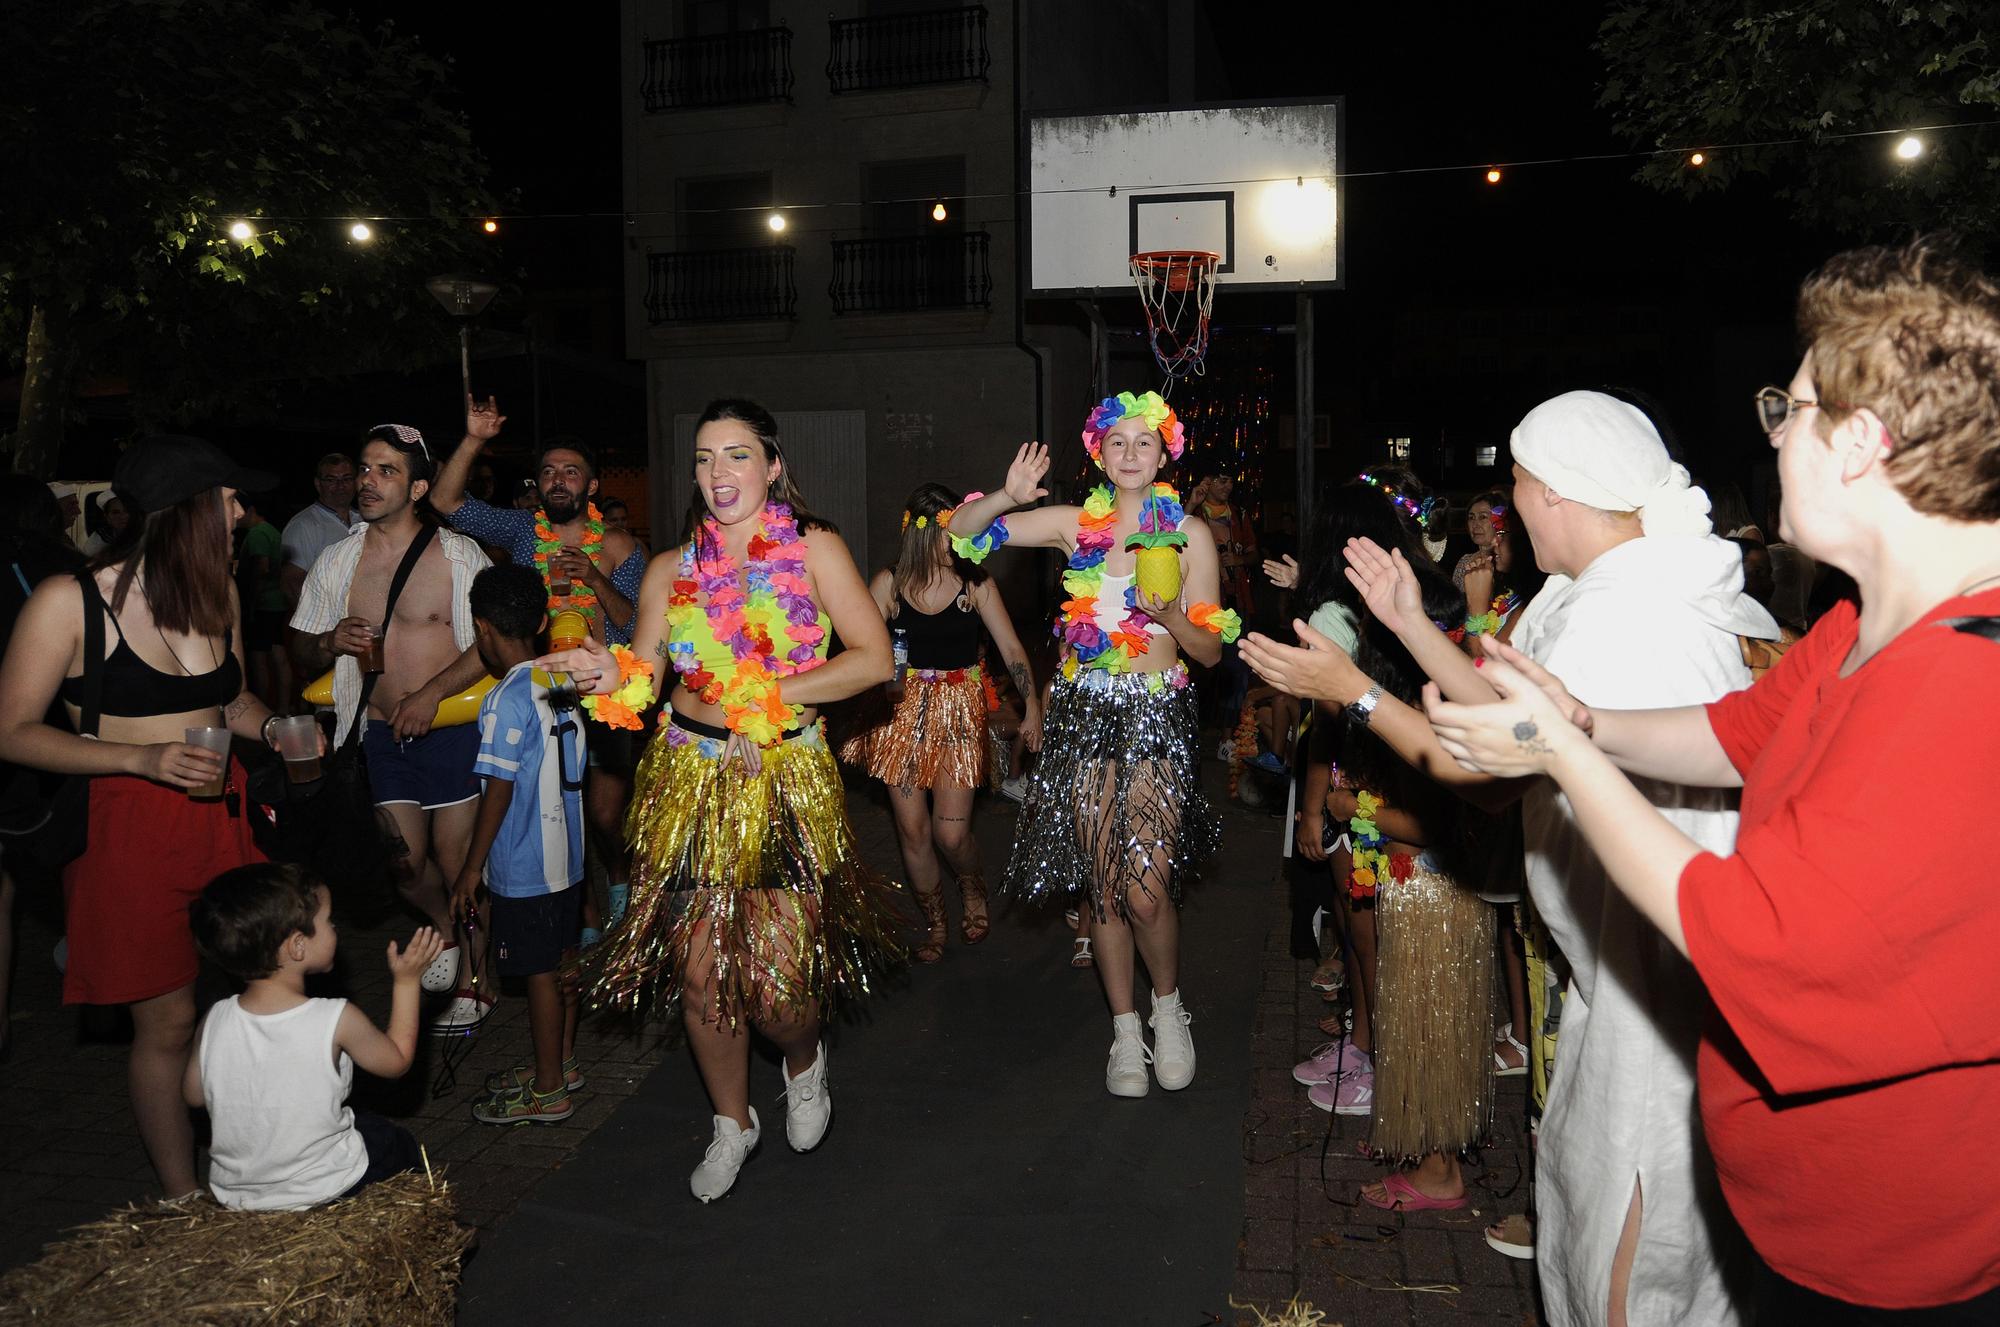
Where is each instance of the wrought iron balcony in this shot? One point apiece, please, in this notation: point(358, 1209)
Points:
point(721, 285)
point(909, 50)
point(727, 70)
point(947, 271)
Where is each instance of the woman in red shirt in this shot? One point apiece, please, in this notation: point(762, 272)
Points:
point(1848, 954)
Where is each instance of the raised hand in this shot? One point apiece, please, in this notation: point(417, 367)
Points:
point(1387, 584)
point(408, 963)
point(483, 420)
point(1024, 476)
point(591, 667)
point(1282, 572)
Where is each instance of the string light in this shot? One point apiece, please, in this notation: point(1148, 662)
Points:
point(938, 212)
point(1698, 159)
point(490, 226)
point(1910, 148)
point(1493, 175)
point(241, 232)
point(777, 222)
point(360, 232)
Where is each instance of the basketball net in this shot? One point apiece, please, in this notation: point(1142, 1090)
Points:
point(1177, 289)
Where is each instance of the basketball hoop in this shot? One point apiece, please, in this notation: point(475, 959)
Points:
point(1177, 288)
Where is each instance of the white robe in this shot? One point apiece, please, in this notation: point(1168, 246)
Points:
point(1651, 623)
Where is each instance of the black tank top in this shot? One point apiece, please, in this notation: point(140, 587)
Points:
point(134, 689)
point(946, 639)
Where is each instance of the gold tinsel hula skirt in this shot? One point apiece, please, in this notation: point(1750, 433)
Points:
point(1433, 1016)
point(756, 878)
point(937, 734)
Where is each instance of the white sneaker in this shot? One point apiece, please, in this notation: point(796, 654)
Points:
point(1173, 1044)
point(808, 1105)
point(725, 1156)
point(464, 1014)
point(1015, 789)
point(442, 974)
point(1125, 1075)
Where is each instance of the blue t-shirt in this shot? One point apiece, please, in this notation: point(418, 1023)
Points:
point(514, 530)
point(522, 739)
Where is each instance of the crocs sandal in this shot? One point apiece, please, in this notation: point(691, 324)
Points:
point(1502, 1069)
point(442, 974)
point(1082, 957)
point(1403, 1196)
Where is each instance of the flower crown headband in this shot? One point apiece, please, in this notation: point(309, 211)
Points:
point(1149, 406)
point(1420, 512)
point(943, 518)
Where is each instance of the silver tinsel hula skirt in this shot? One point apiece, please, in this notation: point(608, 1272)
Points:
point(1116, 802)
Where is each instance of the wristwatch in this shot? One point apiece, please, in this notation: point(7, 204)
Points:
point(1360, 710)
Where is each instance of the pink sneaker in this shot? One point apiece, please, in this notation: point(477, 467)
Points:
point(1335, 1057)
point(1350, 1094)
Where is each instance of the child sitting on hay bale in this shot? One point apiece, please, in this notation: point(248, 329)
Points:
point(274, 1066)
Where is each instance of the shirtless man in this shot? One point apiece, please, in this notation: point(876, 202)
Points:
point(606, 583)
point(422, 779)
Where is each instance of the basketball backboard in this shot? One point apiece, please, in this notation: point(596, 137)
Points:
point(1254, 183)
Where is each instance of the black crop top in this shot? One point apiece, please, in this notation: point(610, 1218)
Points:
point(946, 639)
point(134, 689)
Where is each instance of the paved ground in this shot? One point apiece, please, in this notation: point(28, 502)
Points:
point(969, 1177)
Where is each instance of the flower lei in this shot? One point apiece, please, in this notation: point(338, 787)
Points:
point(975, 549)
point(1243, 740)
point(1489, 622)
point(1372, 867)
point(580, 597)
point(1077, 628)
point(772, 630)
point(621, 706)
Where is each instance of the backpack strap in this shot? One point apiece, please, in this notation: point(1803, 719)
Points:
point(411, 556)
point(94, 610)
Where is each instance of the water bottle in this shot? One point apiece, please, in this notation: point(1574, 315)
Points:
point(899, 647)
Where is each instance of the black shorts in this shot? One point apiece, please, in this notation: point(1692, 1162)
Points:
point(391, 1150)
point(530, 934)
point(615, 750)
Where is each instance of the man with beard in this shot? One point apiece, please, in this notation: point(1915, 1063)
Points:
point(586, 564)
point(420, 778)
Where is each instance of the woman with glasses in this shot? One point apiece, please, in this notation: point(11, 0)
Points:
point(1855, 1025)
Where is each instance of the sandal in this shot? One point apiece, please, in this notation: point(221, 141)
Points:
point(1514, 1236)
point(974, 923)
point(1329, 977)
point(523, 1075)
point(1402, 1196)
point(1082, 957)
point(932, 906)
point(1502, 1069)
point(524, 1105)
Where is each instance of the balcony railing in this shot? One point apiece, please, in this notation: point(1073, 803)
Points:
point(721, 285)
point(910, 273)
point(909, 50)
point(727, 70)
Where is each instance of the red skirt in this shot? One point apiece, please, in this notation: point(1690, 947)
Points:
point(150, 851)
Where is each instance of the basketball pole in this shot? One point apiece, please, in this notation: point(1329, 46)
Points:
point(1306, 435)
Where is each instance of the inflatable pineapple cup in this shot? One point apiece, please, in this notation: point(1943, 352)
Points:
point(1157, 554)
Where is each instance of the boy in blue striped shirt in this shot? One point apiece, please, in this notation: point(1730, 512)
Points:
point(527, 844)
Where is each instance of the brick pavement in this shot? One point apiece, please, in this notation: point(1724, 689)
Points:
point(1305, 1233)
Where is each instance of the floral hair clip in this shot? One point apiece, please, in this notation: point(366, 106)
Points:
point(1498, 520)
point(922, 521)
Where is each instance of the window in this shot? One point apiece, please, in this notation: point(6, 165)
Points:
point(1486, 457)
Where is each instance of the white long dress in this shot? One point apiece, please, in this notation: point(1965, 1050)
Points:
point(1651, 623)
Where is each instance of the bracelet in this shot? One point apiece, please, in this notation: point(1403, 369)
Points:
point(1224, 622)
point(619, 707)
point(975, 549)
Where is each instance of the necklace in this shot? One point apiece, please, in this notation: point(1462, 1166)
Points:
point(765, 615)
point(581, 598)
point(1089, 645)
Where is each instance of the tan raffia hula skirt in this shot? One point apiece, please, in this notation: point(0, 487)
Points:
point(937, 734)
point(1433, 1015)
point(757, 873)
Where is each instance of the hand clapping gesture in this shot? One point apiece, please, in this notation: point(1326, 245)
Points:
point(1387, 584)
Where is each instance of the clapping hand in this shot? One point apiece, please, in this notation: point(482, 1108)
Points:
point(1387, 584)
point(1282, 572)
point(1024, 476)
point(408, 963)
point(1522, 733)
point(1315, 669)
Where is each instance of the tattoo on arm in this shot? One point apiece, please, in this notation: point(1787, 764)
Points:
point(236, 707)
point(1531, 739)
point(1022, 681)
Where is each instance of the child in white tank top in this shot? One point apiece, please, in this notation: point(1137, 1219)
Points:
point(273, 1065)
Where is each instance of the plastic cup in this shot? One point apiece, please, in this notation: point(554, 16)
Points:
point(371, 658)
point(298, 742)
point(568, 631)
point(216, 740)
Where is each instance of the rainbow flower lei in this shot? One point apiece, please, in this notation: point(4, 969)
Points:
point(1148, 406)
point(1373, 868)
point(581, 597)
point(772, 629)
point(1088, 644)
point(620, 707)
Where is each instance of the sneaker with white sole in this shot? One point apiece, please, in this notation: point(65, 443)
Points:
point(1015, 789)
point(465, 1013)
point(1173, 1044)
point(1125, 1075)
point(808, 1105)
point(1330, 1061)
point(442, 974)
point(731, 1147)
point(1350, 1094)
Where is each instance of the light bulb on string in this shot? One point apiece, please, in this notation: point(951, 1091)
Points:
point(1910, 148)
point(938, 213)
point(1493, 175)
point(360, 232)
point(241, 232)
point(490, 226)
point(1698, 159)
point(776, 223)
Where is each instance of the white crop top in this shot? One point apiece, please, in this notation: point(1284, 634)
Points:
point(1111, 605)
point(283, 1137)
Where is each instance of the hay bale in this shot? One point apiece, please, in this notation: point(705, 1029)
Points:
point(388, 1255)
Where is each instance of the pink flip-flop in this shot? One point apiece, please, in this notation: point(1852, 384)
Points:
point(1406, 1197)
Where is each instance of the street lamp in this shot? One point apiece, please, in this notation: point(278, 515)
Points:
point(464, 298)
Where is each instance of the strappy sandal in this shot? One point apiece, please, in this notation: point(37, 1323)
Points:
point(932, 906)
point(1502, 1069)
point(974, 925)
point(1082, 958)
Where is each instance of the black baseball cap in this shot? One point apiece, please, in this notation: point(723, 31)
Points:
point(162, 469)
